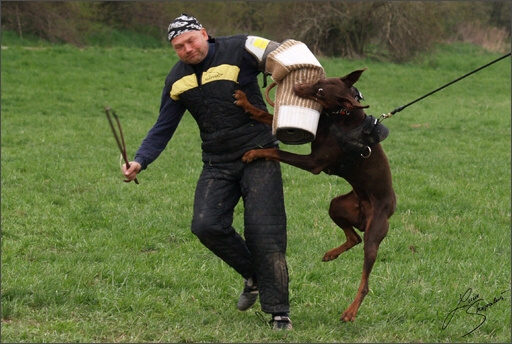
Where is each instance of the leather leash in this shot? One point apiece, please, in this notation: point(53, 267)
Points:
point(398, 109)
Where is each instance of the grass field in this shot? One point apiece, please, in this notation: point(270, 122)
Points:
point(88, 258)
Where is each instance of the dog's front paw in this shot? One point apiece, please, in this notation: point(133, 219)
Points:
point(240, 98)
point(249, 156)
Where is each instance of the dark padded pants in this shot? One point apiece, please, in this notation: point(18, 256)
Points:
point(262, 252)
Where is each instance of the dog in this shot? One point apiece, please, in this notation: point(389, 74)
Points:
point(347, 144)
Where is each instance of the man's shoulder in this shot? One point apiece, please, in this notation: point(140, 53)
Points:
point(176, 71)
point(233, 38)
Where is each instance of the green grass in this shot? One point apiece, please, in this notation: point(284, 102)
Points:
point(88, 258)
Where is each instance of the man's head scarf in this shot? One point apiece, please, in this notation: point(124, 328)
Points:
point(182, 24)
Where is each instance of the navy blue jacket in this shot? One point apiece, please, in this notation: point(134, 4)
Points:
point(226, 130)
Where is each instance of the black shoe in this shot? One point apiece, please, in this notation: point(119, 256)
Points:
point(281, 322)
point(249, 295)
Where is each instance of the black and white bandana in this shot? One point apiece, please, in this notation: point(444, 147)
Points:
point(182, 24)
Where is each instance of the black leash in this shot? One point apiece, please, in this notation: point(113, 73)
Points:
point(398, 109)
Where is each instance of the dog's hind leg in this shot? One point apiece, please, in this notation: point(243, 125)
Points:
point(375, 232)
point(344, 211)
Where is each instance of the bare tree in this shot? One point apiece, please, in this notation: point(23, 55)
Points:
point(394, 30)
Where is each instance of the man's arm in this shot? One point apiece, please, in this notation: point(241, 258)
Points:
point(158, 136)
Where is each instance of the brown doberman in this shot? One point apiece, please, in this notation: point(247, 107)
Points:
point(346, 145)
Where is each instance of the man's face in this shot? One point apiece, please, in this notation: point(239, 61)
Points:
point(192, 46)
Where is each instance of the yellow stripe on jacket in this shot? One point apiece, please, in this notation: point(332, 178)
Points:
point(188, 82)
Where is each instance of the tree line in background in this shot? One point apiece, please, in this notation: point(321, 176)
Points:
point(393, 30)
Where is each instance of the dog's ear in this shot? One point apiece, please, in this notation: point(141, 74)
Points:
point(351, 79)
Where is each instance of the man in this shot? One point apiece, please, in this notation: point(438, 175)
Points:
point(203, 82)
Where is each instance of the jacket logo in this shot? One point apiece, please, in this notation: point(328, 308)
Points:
point(222, 72)
point(211, 76)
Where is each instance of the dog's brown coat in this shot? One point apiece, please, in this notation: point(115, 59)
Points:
point(372, 200)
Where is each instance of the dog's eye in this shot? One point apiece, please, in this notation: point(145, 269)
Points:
point(320, 93)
